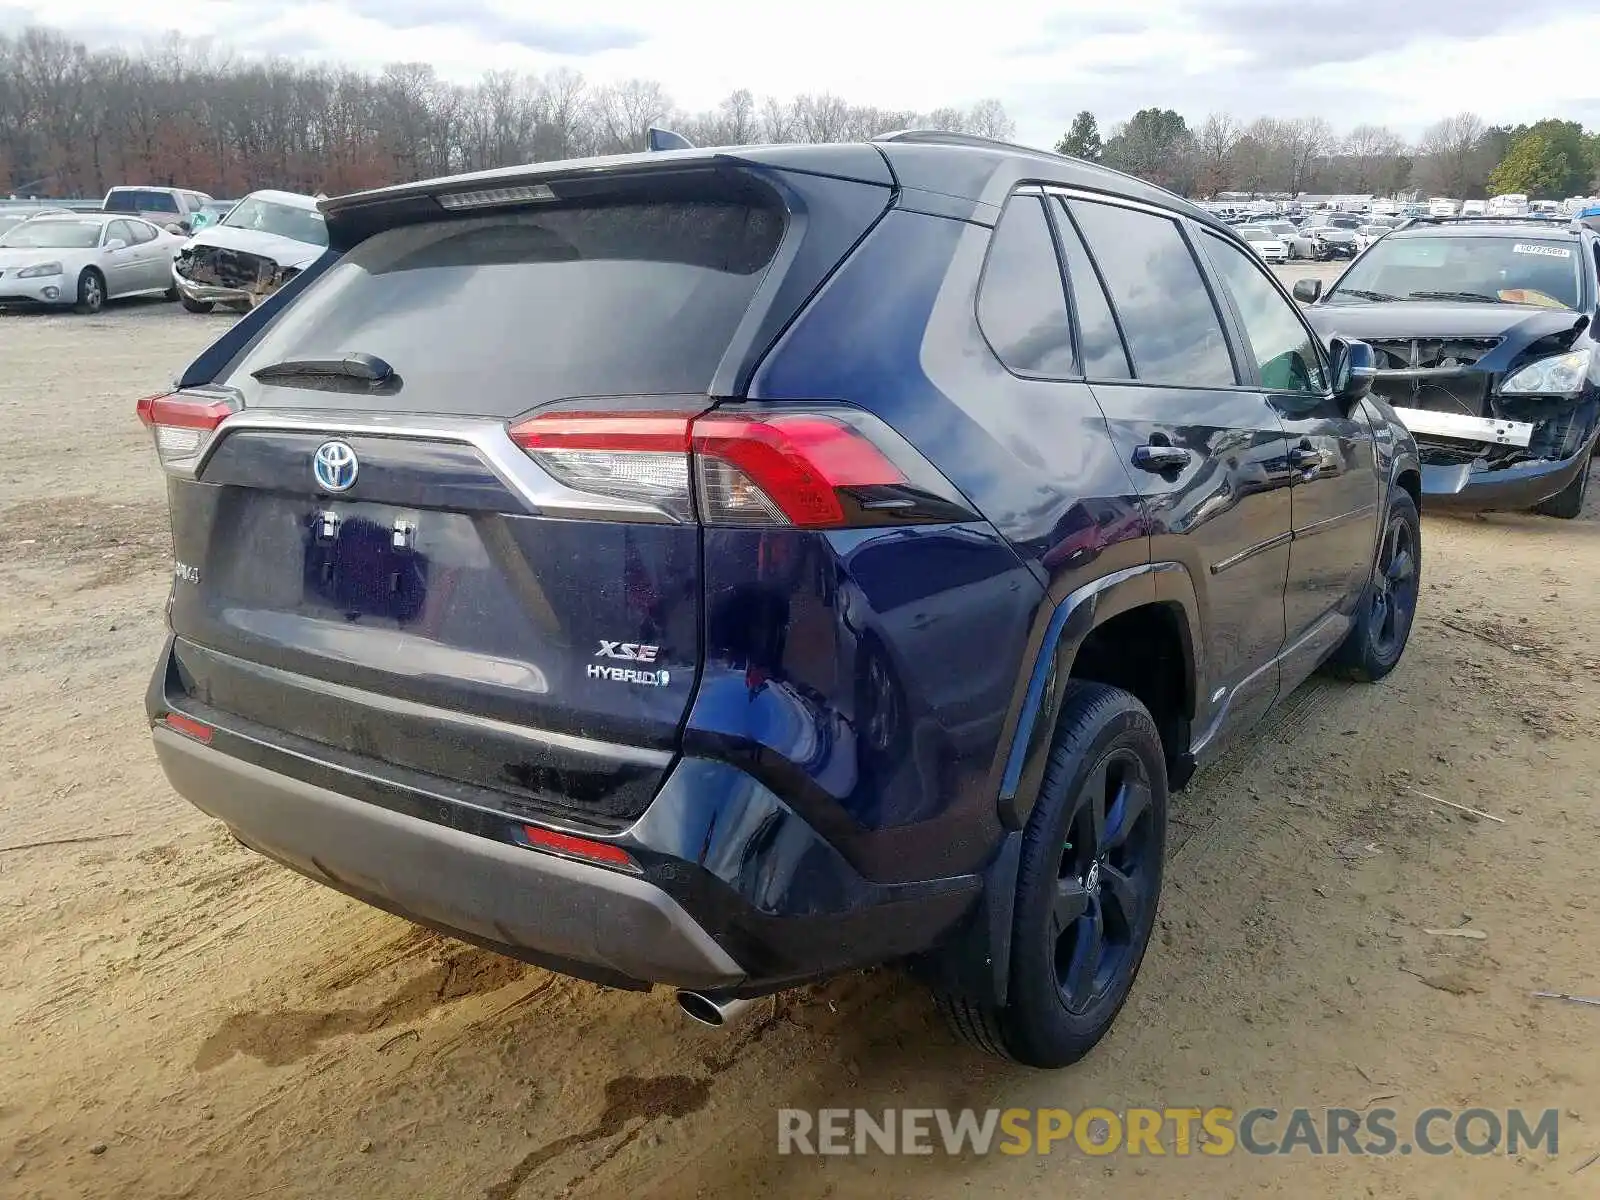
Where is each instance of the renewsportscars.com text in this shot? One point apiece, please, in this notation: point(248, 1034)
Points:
point(1179, 1132)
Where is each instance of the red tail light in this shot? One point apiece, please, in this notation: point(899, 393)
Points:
point(182, 427)
point(765, 468)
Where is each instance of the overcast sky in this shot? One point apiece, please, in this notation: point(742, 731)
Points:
point(1402, 63)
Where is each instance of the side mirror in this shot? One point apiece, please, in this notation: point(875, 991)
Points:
point(1307, 291)
point(1354, 367)
point(114, 244)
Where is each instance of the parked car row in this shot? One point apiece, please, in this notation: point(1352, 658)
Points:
point(242, 251)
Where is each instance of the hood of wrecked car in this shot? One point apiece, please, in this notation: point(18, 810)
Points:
point(286, 252)
point(1519, 325)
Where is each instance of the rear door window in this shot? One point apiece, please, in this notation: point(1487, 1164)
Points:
point(1172, 326)
point(1022, 304)
point(529, 306)
point(1099, 340)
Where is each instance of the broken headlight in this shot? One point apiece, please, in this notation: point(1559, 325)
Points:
point(1561, 374)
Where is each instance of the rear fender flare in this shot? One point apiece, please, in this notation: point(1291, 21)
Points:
point(1070, 622)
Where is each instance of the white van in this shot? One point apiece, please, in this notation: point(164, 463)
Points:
point(1512, 204)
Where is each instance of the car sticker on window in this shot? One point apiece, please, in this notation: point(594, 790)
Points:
point(1548, 251)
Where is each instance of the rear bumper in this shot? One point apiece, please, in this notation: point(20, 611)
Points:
point(529, 904)
point(736, 888)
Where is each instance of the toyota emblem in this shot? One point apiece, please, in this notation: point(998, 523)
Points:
point(335, 466)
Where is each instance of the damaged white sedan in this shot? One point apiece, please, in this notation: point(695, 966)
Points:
point(265, 240)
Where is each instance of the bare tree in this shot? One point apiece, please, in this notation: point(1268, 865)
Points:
point(1370, 151)
point(1448, 158)
point(1215, 144)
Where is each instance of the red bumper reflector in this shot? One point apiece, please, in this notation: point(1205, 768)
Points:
point(577, 847)
point(188, 726)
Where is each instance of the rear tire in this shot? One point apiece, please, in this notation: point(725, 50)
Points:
point(1568, 502)
point(91, 292)
point(1088, 883)
point(197, 306)
point(1388, 605)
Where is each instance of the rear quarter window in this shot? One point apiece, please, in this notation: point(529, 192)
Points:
point(1022, 301)
point(536, 305)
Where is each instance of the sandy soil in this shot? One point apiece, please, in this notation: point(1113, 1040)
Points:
point(179, 1018)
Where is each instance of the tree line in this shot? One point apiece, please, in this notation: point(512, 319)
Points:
point(1459, 156)
point(75, 121)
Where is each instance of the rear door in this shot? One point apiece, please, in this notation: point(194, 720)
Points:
point(120, 264)
point(374, 565)
point(1334, 501)
point(1207, 450)
point(154, 263)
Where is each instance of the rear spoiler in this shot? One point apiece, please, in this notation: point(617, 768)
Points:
point(361, 213)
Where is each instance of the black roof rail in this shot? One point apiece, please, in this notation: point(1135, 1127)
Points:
point(946, 137)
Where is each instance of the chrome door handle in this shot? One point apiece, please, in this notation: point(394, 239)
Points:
point(1159, 459)
point(1305, 458)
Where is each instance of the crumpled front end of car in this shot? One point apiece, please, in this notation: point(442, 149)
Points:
point(1498, 425)
point(219, 274)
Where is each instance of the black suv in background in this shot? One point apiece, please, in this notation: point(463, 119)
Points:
point(1484, 331)
point(728, 568)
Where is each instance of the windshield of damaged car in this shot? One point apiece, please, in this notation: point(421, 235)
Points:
point(53, 235)
point(1254, 233)
point(298, 224)
point(1468, 270)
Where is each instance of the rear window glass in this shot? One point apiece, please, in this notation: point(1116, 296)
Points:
point(625, 299)
point(140, 200)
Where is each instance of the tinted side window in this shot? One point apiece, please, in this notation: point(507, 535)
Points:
point(1172, 327)
point(1022, 305)
point(1282, 346)
point(1099, 341)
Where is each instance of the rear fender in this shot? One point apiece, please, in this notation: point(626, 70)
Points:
point(975, 960)
point(1053, 649)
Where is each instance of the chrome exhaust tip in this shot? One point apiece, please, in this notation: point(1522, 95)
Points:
point(718, 1012)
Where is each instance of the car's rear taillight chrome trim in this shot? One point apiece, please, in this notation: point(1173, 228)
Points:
point(822, 467)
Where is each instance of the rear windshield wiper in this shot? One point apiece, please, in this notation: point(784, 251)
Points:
point(1476, 296)
point(367, 367)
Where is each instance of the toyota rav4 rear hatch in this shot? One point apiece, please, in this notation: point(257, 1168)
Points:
point(376, 570)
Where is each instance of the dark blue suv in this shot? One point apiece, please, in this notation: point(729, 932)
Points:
point(728, 568)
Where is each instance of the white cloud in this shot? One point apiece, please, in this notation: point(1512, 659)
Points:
point(1044, 60)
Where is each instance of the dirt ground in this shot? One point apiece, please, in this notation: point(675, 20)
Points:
point(183, 1019)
